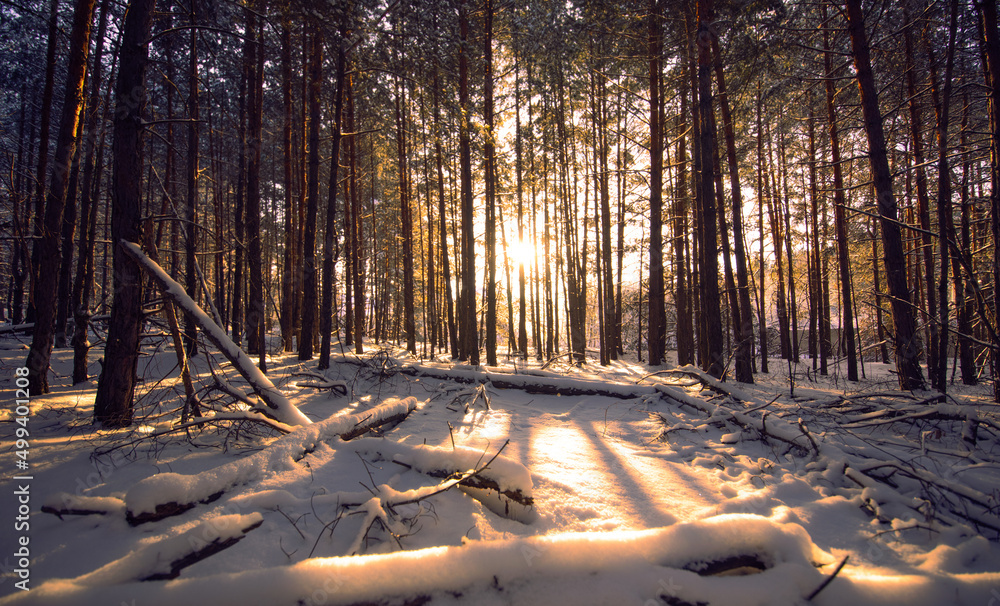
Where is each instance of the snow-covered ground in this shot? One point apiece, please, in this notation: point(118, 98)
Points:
point(611, 486)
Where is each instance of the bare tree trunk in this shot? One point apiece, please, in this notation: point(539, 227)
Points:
point(656, 310)
point(522, 325)
point(68, 233)
point(744, 332)
point(907, 350)
point(946, 225)
point(83, 280)
point(45, 288)
point(762, 304)
point(116, 386)
point(469, 339)
point(965, 292)
point(840, 216)
point(329, 234)
point(991, 42)
point(490, 174)
point(442, 215)
point(715, 362)
point(312, 201)
point(191, 209)
point(685, 330)
point(255, 266)
point(357, 226)
point(406, 216)
point(43, 154)
point(288, 291)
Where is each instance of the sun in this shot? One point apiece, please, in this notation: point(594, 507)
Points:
point(521, 252)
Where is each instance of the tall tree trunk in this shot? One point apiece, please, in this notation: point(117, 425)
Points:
point(312, 201)
point(762, 304)
point(991, 42)
point(744, 333)
point(840, 214)
point(490, 174)
point(656, 314)
point(116, 386)
point(41, 173)
point(923, 201)
point(406, 216)
point(67, 234)
point(816, 284)
point(45, 290)
point(288, 291)
point(255, 316)
point(329, 234)
point(356, 229)
point(84, 279)
point(946, 225)
point(522, 323)
point(468, 334)
point(906, 347)
point(442, 215)
point(785, 208)
point(965, 293)
point(715, 361)
point(239, 220)
point(685, 329)
point(191, 208)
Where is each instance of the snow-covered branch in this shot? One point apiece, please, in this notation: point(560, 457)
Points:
point(277, 404)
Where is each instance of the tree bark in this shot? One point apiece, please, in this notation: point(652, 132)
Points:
point(116, 386)
point(191, 209)
point(715, 361)
point(840, 214)
point(255, 317)
point(43, 154)
point(288, 291)
point(744, 333)
point(329, 235)
point(991, 42)
point(468, 334)
point(762, 304)
point(406, 220)
point(312, 201)
point(946, 225)
point(655, 340)
point(84, 278)
point(45, 288)
point(906, 347)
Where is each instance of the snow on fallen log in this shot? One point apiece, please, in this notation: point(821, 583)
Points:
point(167, 494)
point(277, 403)
point(531, 383)
point(165, 558)
point(64, 504)
point(675, 565)
point(503, 485)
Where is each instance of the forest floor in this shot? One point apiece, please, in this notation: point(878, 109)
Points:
point(608, 486)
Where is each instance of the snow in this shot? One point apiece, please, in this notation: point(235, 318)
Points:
point(659, 489)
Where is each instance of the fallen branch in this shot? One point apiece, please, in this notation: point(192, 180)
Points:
point(321, 383)
point(559, 386)
point(277, 405)
point(167, 494)
point(166, 558)
point(64, 504)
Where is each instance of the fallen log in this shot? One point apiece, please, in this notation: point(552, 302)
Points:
point(534, 384)
point(166, 558)
point(277, 404)
point(168, 494)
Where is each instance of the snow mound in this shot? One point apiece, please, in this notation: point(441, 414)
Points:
point(580, 568)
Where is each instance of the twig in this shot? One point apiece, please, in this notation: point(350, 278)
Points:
point(827, 580)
